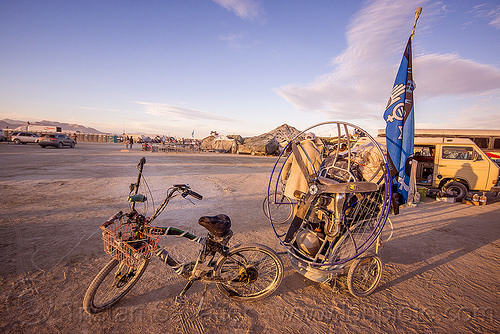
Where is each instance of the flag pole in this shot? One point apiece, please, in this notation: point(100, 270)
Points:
point(417, 15)
point(400, 126)
point(413, 171)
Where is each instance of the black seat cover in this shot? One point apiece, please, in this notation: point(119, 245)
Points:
point(219, 225)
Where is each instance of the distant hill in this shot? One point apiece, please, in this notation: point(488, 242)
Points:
point(65, 127)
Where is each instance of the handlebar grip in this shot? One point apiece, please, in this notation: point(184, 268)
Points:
point(141, 163)
point(195, 195)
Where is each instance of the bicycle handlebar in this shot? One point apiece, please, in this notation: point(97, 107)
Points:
point(194, 194)
point(141, 163)
point(186, 191)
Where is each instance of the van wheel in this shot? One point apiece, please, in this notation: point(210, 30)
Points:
point(459, 190)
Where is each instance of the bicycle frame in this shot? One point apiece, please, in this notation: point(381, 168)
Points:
point(211, 247)
point(196, 270)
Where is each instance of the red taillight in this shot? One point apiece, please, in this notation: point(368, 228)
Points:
point(53, 139)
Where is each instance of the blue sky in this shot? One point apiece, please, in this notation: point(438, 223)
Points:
point(245, 67)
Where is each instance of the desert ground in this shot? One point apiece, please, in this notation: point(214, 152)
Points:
point(441, 266)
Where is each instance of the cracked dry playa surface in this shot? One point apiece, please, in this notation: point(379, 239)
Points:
point(440, 267)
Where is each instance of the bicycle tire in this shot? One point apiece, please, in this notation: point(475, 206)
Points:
point(282, 210)
point(252, 272)
point(364, 275)
point(114, 290)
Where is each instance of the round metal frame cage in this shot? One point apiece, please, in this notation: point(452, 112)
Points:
point(328, 196)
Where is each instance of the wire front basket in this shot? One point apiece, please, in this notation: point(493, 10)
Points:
point(125, 243)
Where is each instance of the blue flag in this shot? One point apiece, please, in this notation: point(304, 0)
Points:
point(400, 125)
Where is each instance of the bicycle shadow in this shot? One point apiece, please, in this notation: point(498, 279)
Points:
point(450, 239)
point(172, 285)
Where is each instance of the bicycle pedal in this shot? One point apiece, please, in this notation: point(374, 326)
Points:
point(181, 300)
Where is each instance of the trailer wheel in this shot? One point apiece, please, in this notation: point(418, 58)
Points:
point(364, 275)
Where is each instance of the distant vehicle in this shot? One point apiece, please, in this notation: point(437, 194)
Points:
point(2, 136)
point(57, 140)
point(21, 137)
point(44, 128)
point(487, 140)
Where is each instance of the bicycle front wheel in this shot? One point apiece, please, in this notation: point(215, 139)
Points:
point(250, 272)
point(111, 284)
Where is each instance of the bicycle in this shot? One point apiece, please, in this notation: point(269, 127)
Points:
point(247, 273)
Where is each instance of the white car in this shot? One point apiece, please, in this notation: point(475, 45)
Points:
point(21, 137)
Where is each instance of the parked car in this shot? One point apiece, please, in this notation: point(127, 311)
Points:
point(2, 136)
point(57, 140)
point(21, 137)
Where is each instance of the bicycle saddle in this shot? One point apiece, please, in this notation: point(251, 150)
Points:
point(219, 225)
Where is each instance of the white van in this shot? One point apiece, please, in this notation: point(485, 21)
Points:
point(454, 164)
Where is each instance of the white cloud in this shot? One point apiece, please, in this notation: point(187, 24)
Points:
point(478, 116)
point(245, 9)
point(364, 73)
point(448, 74)
point(491, 14)
point(179, 113)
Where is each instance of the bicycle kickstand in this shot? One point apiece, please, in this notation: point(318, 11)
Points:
point(181, 298)
point(202, 299)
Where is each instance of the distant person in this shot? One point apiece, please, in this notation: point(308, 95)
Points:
point(131, 142)
point(127, 139)
point(74, 137)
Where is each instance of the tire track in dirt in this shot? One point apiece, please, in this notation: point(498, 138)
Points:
point(190, 325)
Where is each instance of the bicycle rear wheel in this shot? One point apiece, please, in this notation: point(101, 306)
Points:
point(111, 284)
point(251, 272)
